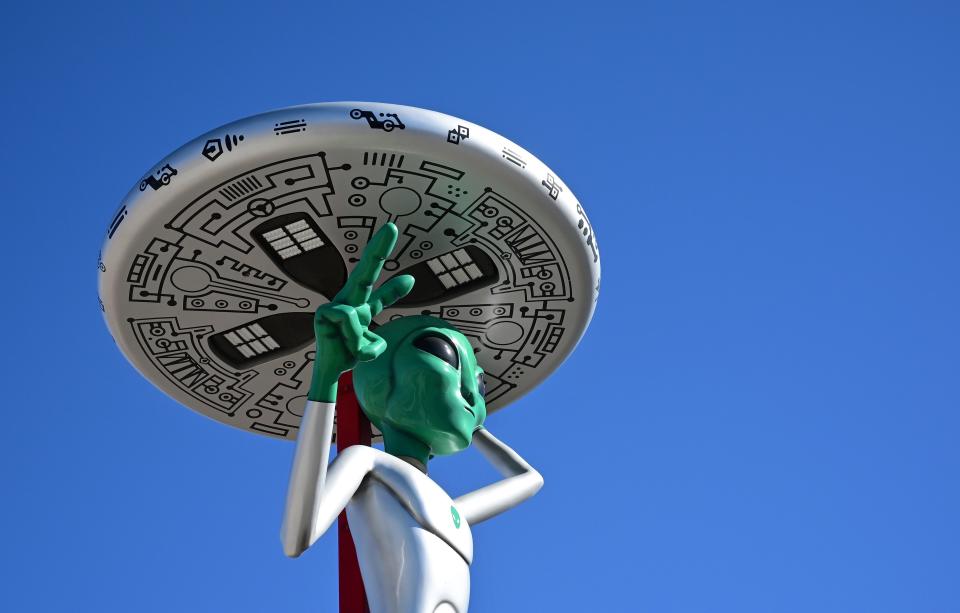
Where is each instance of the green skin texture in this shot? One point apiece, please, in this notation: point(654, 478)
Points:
point(421, 404)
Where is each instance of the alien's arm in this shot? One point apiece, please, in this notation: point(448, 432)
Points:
point(522, 481)
point(317, 494)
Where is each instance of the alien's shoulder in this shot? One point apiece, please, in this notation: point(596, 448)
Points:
point(362, 455)
point(381, 462)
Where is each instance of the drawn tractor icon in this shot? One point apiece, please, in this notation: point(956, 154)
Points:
point(162, 178)
point(386, 125)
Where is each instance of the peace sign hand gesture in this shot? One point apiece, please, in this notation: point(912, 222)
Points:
point(342, 326)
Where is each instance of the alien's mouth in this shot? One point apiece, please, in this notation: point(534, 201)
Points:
point(471, 411)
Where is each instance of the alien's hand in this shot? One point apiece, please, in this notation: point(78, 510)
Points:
point(342, 326)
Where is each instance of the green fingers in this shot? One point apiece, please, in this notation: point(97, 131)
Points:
point(388, 293)
point(342, 326)
point(356, 291)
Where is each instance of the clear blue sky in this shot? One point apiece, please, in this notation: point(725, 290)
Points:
point(763, 417)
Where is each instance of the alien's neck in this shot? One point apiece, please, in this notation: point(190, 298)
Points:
point(406, 447)
point(414, 462)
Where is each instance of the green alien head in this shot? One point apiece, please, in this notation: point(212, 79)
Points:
point(425, 392)
point(416, 378)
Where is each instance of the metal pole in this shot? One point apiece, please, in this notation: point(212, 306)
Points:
point(353, 428)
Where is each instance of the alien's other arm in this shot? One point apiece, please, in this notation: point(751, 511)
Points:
point(521, 481)
point(316, 495)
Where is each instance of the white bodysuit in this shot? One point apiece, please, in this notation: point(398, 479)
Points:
point(413, 541)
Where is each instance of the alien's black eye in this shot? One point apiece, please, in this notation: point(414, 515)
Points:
point(440, 346)
point(481, 386)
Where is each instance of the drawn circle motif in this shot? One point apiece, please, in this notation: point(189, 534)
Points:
point(190, 279)
point(400, 201)
point(260, 207)
point(504, 332)
point(211, 270)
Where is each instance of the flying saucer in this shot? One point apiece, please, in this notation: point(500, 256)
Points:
point(216, 259)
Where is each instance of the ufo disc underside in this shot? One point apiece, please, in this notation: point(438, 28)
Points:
point(214, 263)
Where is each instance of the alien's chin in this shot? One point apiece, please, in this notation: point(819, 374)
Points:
point(451, 443)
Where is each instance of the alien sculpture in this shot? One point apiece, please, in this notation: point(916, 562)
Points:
point(418, 381)
point(231, 276)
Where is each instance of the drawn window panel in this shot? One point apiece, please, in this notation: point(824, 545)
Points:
point(251, 340)
point(293, 239)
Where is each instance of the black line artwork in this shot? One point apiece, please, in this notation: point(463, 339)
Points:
point(261, 207)
point(222, 213)
point(357, 229)
point(255, 342)
point(219, 296)
point(553, 188)
point(289, 127)
point(241, 188)
point(441, 169)
point(159, 178)
point(458, 134)
point(214, 147)
point(450, 275)
point(176, 352)
point(583, 224)
point(376, 158)
point(298, 247)
point(513, 157)
point(390, 121)
point(117, 220)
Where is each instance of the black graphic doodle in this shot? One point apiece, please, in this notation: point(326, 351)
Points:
point(375, 158)
point(263, 250)
point(159, 178)
point(250, 344)
point(390, 121)
point(298, 247)
point(214, 147)
point(117, 220)
point(176, 352)
point(513, 157)
point(289, 127)
point(553, 187)
point(458, 134)
point(587, 230)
